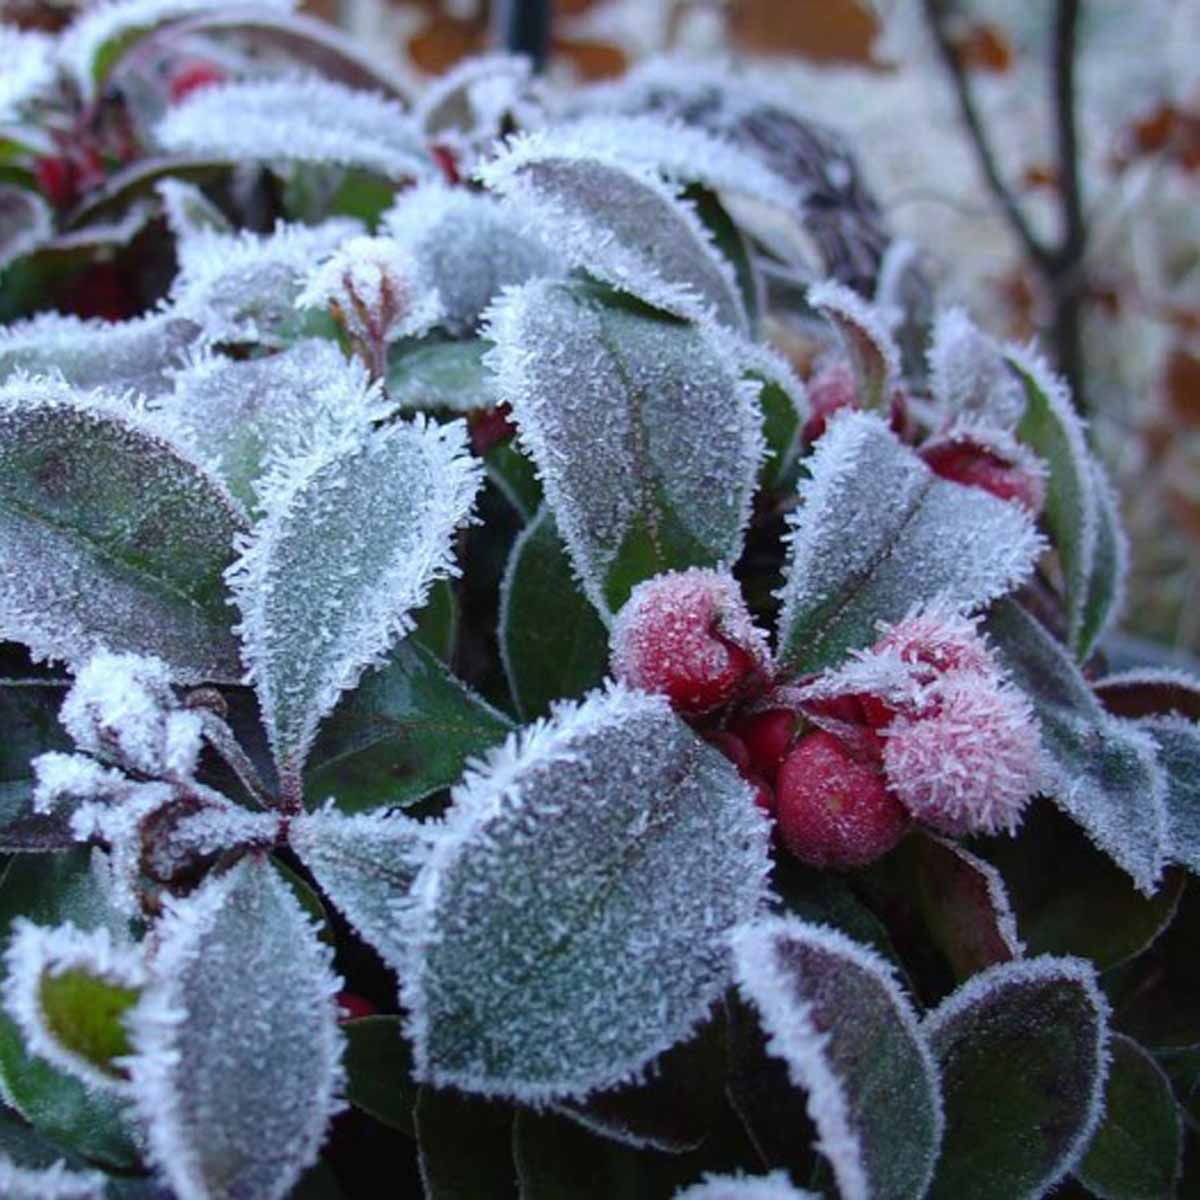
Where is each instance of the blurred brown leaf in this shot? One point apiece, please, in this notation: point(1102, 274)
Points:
point(819, 30)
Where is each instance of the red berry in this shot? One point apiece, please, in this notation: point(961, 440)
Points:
point(767, 737)
point(688, 635)
point(732, 747)
point(832, 809)
point(876, 712)
point(56, 178)
point(764, 794)
point(351, 1006)
point(489, 427)
point(193, 75)
point(974, 465)
point(447, 163)
point(831, 388)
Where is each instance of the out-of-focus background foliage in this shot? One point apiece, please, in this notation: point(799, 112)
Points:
point(875, 72)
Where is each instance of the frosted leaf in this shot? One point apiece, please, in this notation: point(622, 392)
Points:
point(26, 222)
point(236, 1068)
point(241, 414)
point(55, 1182)
point(63, 780)
point(437, 374)
point(469, 245)
point(834, 1013)
point(188, 211)
point(94, 41)
point(356, 532)
point(1149, 692)
point(1178, 743)
point(365, 864)
point(203, 825)
point(102, 975)
point(681, 153)
point(29, 73)
point(866, 338)
point(306, 120)
point(1051, 426)
point(477, 101)
point(878, 533)
point(1102, 772)
point(619, 223)
point(377, 288)
point(242, 287)
point(121, 708)
point(970, 380)
point(115, 538)
point(1105, 601)
point(1027, 1039)
point(645, 437)
point(776, 1186)
point(138, 354)
point(571, 922)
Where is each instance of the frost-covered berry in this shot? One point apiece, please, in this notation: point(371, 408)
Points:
point(191, 76)
point(831, 388)
point(767, 737)
point(1009, 472)
point(833, 809)
point(688, 635)
point(935, 642)
point(973, 765)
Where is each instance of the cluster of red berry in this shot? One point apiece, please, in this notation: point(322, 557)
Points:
point(922, 727)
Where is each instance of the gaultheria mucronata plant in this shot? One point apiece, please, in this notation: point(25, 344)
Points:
point(471, 719)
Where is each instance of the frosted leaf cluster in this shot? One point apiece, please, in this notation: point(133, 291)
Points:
point(80, 471)
point(242, 287)
point(570, 923)
point(832, 1011)
point(469, 246)
point(620, 223)
point(303, 120)
point(236, 1063)
point(354, 535)
point(878, 533)
point(137, 355)
point(655, 438)
point(377, 288)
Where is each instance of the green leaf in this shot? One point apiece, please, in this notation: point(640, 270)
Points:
point(465, 1147)
point(1178, 742)
point(514, 475)
point(1052, 428)
point(553, 643)
point(354, 535)
point(85, 1012)
point(873, 354)
point(405, 732)
point(436, 373)
point(1110, 566)
point(28, 727)
point(1022, 1049)
point(91, 494)
point(1136, 1152)
point(1102, 772)
point(833, 1012)
point(733, 246)
point(1071, 899)
point(878, 533)
point(437, 622)
point(50, 890)
point(25, 223)
point(645, 436)
point(521, 974)
point(379, 1066)
point(781, 427)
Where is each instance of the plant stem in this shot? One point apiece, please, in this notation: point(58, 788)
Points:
point(523, 27)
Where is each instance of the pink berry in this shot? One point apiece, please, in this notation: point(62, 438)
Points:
point(831, 388)
point(973, 765)
point(938, 642)
point(687, 635)
point(352, 1006)
point(767, 737)
point(193, 75)
point(963, 460)
point(832, 809)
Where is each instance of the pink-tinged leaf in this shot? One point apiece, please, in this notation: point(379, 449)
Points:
point(867, 341)
point(833, 1012)
point(1023, 1054)
point(1150, 692)
point(523, 978)
point(236, 1064)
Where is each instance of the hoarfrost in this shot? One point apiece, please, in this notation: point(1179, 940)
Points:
point(137, 355)
point(878, 533)
point(272, 121)
point(571, 922)
point(188, 211)
point(236, 1068)
point(34, 952)
point(866, 338)
point(242, 287)
point(115, 538)
point(639, 427)
point(776, 1186)
point(29, 71)
point(619, 223)
point(1178, 743)
point(469, 245)
point(970, 380)
point(55, 1182)
point(833, 1012)
point(354, 535)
